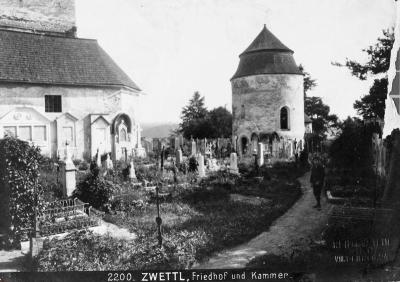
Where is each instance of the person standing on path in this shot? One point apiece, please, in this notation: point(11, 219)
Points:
point(317, 179)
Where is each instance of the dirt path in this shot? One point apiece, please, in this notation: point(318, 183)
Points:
point(292, 231)
point(12, 261)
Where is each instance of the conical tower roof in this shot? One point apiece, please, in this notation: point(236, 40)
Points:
point(266, 55)
point(265, 40)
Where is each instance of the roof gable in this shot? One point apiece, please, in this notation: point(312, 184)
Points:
point(67, 116)
point(54, 60)
point(101, 120)
point(24, 115)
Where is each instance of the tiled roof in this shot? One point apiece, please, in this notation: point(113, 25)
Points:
point(266, 55)
point(265, 40)
point(44, 59)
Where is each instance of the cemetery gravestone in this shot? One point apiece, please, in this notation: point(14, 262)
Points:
point(260, 154)
point(201, 168)
point(132, 173)
point(179, 157)
point(233, 164)
point(193, 151)
point(68, 174)
point(98, 158)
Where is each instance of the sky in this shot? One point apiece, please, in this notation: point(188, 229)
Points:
point(172, 48)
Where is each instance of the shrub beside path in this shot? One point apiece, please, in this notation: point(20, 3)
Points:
point(295, 230)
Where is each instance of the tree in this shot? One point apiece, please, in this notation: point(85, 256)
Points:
point(194, 122)
point(195, 109)
point(198, 122)
point(352, 150)
point(220, 120)
point(322, 120)
point(373, 104)
point(318, 112)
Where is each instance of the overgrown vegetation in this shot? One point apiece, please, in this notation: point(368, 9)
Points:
point(350, 170)
point(197, 221)
point(19, 188)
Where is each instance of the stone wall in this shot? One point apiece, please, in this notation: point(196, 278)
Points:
point(81, 106)
point(40, 15)
point(257, 101)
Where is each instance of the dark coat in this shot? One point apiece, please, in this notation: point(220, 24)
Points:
point(317, 175)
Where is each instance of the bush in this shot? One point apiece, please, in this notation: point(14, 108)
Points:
point(83, 165)
point(77, 162)
point(95, 190)
point(46, 163)
point(127, 205)
point(150, 173)
point(52, 188)
point(193, 165)
point(103, 157)
point(352, 150)
point(19, 187)
point(244, 168)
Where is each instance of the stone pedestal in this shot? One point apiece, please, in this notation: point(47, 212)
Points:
point(36, 245)
point(260, 154)
point(233, 164)
point(201, 168)
point(68, 172)
point(179, 157)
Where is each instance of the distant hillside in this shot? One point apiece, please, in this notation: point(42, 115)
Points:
point(158, 130)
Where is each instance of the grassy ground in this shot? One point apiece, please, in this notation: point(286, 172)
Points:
point(197, 222)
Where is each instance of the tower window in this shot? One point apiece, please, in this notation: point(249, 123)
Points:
point(284, 118)
point(244, 144)
point(52, 103)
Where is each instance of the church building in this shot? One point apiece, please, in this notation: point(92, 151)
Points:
point(267, 96)
point(58, 90)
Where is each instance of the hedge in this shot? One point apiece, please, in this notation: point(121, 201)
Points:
point(19, 163)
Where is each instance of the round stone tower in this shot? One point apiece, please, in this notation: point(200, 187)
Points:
point(267, 95)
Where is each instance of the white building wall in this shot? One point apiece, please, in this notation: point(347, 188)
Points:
point(79, 102)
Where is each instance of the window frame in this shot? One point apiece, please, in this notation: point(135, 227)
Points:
point(53, 103)
point(287, 118)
